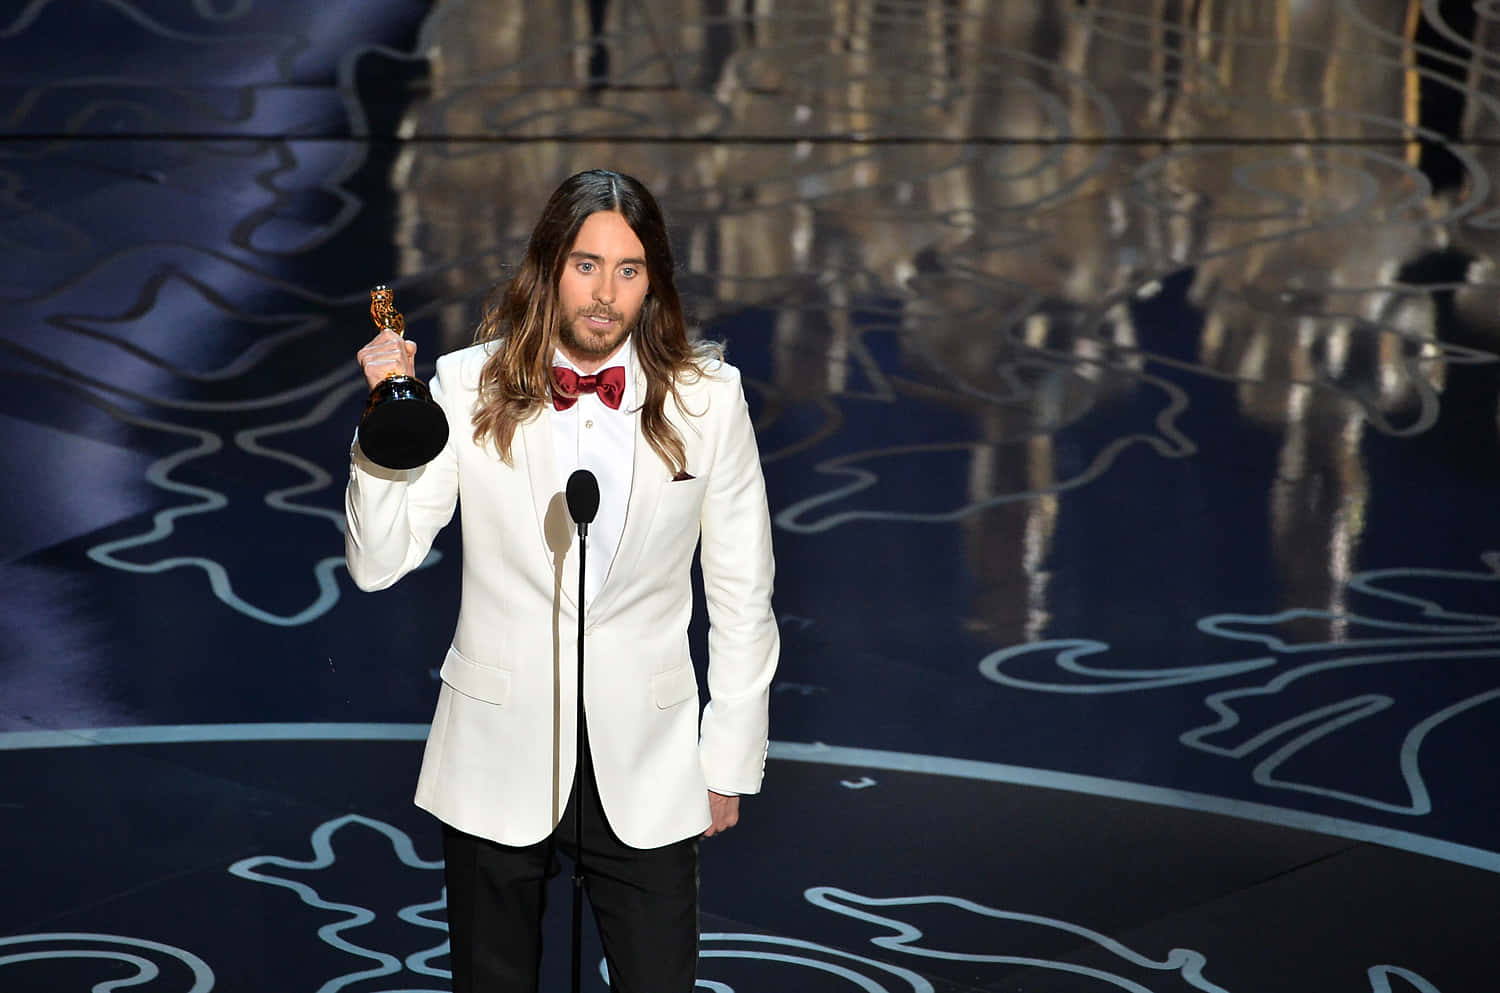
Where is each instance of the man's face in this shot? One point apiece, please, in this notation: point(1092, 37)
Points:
point(601, 289)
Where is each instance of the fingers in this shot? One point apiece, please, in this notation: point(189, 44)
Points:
point(385, 355)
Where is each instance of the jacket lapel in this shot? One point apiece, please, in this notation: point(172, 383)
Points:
point(550, 503)
point(647, 477)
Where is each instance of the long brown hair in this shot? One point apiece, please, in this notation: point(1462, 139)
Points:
point(515, 383)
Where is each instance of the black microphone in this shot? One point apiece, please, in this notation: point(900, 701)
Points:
point(583, 499)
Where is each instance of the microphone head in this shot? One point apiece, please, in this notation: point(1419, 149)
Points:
point(583, 497)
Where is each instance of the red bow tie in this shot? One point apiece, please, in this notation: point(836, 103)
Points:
point(609, 384)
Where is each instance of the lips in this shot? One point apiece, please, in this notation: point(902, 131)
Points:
point(601, 319)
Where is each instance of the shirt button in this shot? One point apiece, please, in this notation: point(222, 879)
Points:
point(588, 424)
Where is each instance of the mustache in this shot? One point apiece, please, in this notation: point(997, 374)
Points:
point(612, 315)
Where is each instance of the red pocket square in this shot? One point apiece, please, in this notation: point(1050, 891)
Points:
point(683, 477)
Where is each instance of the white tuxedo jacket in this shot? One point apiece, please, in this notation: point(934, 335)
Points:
point(500, 755)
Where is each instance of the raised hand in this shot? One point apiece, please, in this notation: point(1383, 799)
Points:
point(387, 354)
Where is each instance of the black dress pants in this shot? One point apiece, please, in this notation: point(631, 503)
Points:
point(645, 904)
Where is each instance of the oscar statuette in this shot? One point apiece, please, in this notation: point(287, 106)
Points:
point(402, 427)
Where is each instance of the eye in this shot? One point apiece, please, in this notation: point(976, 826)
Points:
point(585, 266)
point(628, 272)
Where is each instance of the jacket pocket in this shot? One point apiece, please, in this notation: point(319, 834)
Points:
point(681, 501)
point(676, 685)
point(474, 679)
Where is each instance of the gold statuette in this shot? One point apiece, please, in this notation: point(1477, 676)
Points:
point(384, 313)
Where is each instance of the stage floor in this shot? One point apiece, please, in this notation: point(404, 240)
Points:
point(1125, 378)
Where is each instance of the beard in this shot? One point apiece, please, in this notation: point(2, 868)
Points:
point(581, 339)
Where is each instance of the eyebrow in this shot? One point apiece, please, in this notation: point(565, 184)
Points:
point(599, 258)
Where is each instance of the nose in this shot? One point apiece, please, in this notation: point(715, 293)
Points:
point(604, 289)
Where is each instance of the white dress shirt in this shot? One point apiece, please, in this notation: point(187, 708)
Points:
point(589, 435)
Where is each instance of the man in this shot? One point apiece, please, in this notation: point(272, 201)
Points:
point(584, 362)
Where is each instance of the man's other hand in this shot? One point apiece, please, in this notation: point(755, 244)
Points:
point(725, 811)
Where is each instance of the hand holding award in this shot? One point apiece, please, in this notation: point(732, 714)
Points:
point(402, 427)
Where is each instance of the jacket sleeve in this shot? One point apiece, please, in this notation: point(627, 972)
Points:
point(744, 641)
point(392, 515)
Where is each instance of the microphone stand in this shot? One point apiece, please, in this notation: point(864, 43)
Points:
point(583, 504)
point(583, 530)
